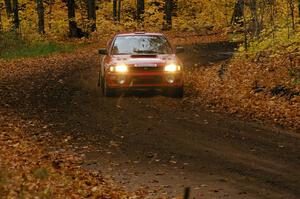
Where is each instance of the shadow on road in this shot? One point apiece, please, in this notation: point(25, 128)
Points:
point(208, 53)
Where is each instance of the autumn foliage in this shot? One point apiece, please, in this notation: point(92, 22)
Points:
point(261, 81)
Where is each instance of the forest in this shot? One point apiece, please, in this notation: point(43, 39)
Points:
point(262, 23)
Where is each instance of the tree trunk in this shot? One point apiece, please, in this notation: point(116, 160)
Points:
point(91, 9)
point(140, 10)
point(41, 16)
point(168, 14)
point(50, 14)
point(16, 14)
point(119, 10)
point(245, 27)
point(238, 12)
point(299, 9)
point(272, 20)
point(255, 23)
point(8, 8)
point(73, 30)
point(115, 9)
point(292, 13)
point(1, 26)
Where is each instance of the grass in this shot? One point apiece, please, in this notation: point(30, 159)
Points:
point(14, 47)
point(36, 50)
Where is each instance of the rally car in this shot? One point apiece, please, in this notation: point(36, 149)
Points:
point(140, 60)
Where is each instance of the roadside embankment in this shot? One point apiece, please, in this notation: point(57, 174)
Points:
point(265, 90)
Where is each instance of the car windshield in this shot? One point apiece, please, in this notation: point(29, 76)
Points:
point(141, 44)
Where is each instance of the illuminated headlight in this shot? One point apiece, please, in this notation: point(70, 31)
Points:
point(172, 68)
point(119, 68)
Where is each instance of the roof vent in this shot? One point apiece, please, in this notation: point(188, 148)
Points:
point(139, 33)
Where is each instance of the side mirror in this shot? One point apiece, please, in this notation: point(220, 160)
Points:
point(179, 49)
point(103, 51)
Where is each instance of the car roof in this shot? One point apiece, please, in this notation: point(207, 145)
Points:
point(140, 33)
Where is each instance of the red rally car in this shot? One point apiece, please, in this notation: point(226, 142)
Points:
point(141, 61)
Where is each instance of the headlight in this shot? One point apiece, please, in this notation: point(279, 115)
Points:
point(172, 68)
point(119, 68)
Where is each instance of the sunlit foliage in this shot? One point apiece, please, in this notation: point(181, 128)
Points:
point(263, 24)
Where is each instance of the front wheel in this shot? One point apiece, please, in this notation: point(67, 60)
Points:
point(175, 92)
point(101, 84)
point(107, 92)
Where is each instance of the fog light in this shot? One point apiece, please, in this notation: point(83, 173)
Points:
point(121, 80)
point(170, 79)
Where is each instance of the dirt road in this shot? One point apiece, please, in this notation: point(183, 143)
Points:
point(146, 140)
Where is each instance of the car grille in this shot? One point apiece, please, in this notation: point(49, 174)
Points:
point(147, 80)
point(145, 69)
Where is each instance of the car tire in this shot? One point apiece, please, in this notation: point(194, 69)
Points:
point(101, 84)
point(176, 92)
point(107, 92)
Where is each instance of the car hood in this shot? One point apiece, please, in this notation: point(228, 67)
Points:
point(132, 60)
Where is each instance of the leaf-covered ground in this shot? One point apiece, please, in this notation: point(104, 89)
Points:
point(33, 163)
point(29, 170)
point(266, 90)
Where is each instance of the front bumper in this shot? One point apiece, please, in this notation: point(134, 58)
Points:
point(145, 80)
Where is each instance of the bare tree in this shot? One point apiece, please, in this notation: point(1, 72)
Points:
point(41, 16)
point(91, 11)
